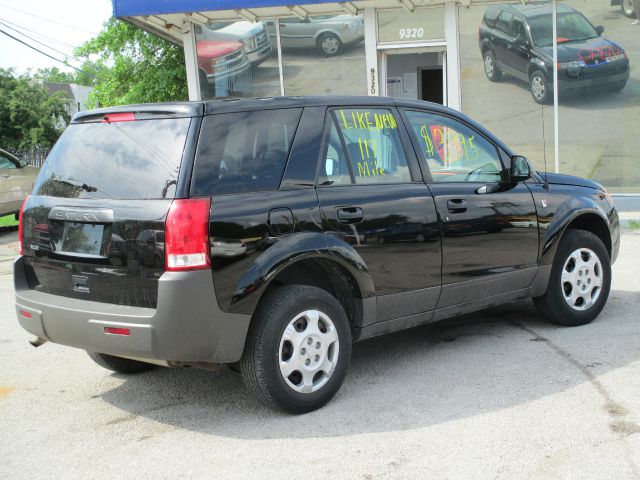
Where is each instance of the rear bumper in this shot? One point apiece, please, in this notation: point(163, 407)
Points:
point(187, 325)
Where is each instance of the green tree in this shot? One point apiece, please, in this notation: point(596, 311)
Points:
point(29, 116)
point(134, 66)
point(86, 75)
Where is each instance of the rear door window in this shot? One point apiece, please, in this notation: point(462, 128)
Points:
point(243, 151)
point(119, 160)
point(364, 146)
point(505, 22)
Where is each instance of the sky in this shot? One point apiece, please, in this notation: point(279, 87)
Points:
point(58, 24)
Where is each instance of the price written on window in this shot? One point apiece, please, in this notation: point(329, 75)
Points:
point(411, 33)
point(448, 144)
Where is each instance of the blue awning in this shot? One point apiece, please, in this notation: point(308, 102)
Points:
point(133, 8)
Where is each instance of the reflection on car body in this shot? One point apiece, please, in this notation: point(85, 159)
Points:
point(517, 39)
point(149, 247)
point(227, 248)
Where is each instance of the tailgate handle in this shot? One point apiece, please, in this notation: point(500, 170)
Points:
point(81, 215)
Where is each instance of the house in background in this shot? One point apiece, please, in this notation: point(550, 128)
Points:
point(75, 96)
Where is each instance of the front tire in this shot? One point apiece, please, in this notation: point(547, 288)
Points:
point(580, 280)
point(539, 87)
point(298, 349)
point(119, 364)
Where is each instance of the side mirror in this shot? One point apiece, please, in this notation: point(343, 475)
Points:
point(23, 163)
point(197, 29)
point(600, 29)
point(520, 169)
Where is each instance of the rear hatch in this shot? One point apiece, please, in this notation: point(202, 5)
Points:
point(94, 226)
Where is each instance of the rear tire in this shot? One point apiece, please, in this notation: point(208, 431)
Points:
point(119, 364)
point(491, 70)
point(301, 331)
point(580, 280)
point(627, 8)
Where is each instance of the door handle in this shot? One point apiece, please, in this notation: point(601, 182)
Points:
point(457, 205)
point(350, 215)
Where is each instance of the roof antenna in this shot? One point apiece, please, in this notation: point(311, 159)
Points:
point(544, 151)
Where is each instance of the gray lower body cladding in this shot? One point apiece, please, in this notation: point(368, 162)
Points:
point(187, 325)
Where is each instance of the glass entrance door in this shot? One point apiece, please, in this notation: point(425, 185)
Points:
point(416, 76)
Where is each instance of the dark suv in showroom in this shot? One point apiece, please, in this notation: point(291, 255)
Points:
point(277, 232)
point(517, 39)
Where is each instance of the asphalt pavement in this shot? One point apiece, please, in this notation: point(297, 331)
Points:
point(498, 394)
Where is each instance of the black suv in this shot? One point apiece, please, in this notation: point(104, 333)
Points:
point(285, 229)
point(517, 39)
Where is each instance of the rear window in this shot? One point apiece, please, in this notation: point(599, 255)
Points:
point(244, 151)
point(120, 160)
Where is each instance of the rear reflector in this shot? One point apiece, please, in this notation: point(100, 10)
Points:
point(21, 228)
point(117, 331)
point(25, 314)
point(119, 117)
point(187, 235)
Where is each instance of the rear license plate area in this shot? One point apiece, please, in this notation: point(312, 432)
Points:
point(82, 239)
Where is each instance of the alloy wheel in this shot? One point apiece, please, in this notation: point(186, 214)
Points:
point(330, 45)
point(538, 87)
point(488, 66)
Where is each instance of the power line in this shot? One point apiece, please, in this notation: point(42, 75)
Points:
point(48, 20)
point(39, 51)
point(39, 42)
point(38, 34)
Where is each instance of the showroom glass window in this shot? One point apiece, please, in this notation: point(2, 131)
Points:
point(599, 97)
point(236, 59)
point(504, 103)
point(322, 54)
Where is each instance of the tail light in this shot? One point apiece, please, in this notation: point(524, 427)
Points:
point(21, 227)
point(187, 235)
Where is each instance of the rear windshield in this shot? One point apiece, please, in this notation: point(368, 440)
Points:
point(243, 152)
point(121, 160)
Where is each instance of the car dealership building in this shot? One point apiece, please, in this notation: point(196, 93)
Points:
point(428, 50)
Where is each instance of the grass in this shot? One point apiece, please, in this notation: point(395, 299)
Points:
point(633, 225)
point(8, 221)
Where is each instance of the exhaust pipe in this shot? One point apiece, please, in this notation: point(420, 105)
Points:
point(36, 342)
